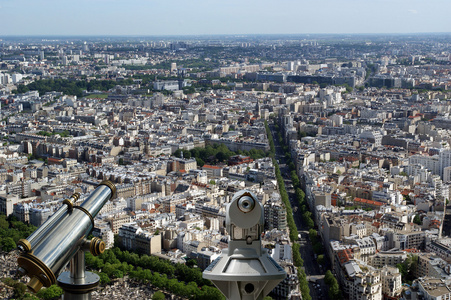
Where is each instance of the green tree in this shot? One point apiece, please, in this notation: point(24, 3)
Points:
point(298, 261)
point(158, 296)
point(29, 297)
point(118, 273)
point(186, 154)
point(19, 290)
point(221, 156)
point(334, 288)
point(313, 235)
point(318, 248)
point(104, 279)
point(3, 222)
point(191, 263)
point(334, 291)
point(7, 244)
point(417, 220)
point(178, 153)
point(52, 292)
point(308, 221)
point(328, 277)
point(408, 269)
point(200, 162)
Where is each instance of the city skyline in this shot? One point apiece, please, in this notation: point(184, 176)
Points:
point(144, 18)
point(343, 140)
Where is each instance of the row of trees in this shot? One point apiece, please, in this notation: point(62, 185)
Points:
point(297, 259)
point(318, 248)
point(299, 193)
point(19, 289)
point(216, 153)
point(64, 133)
point(179, 279)
point(69, 87)
point(334, 288)
point(11, 231)
point(272, 148)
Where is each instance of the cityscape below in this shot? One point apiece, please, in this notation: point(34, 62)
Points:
point(344, 139)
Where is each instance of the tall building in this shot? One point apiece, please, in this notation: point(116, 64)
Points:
point(275, 216)
point(173, 67)
point(445, 160)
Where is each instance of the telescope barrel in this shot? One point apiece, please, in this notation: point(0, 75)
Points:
point(63, 239)
point(31, 241)
point(103, 191)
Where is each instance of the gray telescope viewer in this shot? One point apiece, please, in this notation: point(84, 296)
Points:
point(62, 238)
point(245, 270)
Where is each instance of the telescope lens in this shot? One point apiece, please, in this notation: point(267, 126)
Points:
point(246, 204)
point(249, 288)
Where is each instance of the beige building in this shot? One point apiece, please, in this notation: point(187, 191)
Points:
point(116, 222)
point(387, 258)
point(132, 237)
point(366, 286)
point(434, 289)
point(391, 283)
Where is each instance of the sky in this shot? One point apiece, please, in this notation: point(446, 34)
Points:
point(205, 17)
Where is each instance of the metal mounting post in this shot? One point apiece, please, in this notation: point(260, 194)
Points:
point(78, 283)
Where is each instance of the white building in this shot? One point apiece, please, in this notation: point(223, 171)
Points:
point(434, 289)
point(432, 163)
point(366, 286)
point(391, 282)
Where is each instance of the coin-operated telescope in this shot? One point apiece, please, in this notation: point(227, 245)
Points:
point(62, 238)
point(245, 270)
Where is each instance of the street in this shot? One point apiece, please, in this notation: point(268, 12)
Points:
point(315, 273)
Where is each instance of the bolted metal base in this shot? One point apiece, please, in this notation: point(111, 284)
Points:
point(78, 283)
point(78, 289)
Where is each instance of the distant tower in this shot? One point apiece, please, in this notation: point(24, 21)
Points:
point(65, 60)
point(173, 67)
point(107, 59)
point(41, 55)
point(258, 109)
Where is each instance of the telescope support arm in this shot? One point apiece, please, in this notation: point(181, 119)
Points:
point(78, 284)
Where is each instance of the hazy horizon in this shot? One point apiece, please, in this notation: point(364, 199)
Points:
point(224, 35)
point(201, 17)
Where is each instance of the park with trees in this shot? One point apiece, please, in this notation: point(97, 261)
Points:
point(178, 279)
point(216, 153)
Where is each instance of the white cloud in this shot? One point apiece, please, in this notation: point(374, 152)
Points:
point(413, 11)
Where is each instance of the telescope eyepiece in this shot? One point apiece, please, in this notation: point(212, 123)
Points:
point(246, 204)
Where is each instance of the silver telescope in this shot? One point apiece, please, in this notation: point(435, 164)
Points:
point(50, 248)
point(245, 271)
